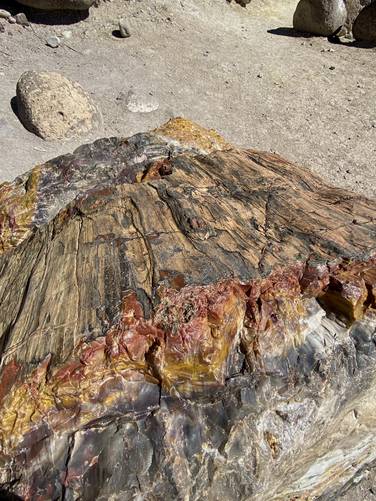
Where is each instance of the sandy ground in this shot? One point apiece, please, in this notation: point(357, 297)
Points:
point(241, 71)
point(227, 67)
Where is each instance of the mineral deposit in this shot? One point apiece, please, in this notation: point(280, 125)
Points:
point(182, 319)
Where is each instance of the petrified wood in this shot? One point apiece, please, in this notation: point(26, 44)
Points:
point(181, 319)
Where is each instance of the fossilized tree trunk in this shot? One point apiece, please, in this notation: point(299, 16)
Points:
point(181, 319)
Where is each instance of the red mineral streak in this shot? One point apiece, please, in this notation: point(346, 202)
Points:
point(8, 377)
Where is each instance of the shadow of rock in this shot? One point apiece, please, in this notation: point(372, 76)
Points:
point(50, 17)
point(7, 496)
point(289, 32)
point(14, 106)
point(352, 43)
point(116, 34)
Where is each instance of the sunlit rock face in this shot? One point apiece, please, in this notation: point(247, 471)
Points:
point(181, 319)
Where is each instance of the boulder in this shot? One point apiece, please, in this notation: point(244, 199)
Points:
point(54, 107)
point(58, 4)
point(353, 8)
point(183, 319)
point(319, 17)
point(364, 28)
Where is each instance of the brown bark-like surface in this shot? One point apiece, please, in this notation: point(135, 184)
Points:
point(181, 319)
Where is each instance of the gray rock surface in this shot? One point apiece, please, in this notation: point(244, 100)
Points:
point(365, 24)
point(58, 4)
point(320, 17)
point(53, 41)
point(54, 107)
point(21, 19)
point(353, 9)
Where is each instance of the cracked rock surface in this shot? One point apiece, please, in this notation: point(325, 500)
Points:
point(182, 319)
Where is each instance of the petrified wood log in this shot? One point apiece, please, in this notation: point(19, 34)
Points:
point(181, 319)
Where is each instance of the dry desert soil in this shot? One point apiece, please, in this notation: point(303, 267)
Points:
point(242, 71)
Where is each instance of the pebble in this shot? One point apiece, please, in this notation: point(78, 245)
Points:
point(141, 103)
point(53, 41)
point(123, 29)
point(2, 28)
point(21, 19)
point(12, 20)
point(5, 14)
point(67, 34)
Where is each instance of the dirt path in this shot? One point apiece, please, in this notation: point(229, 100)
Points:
point(216, 63)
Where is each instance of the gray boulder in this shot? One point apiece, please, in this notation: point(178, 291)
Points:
point(353, 9)
point(320, 17)
point(58, 4)
point(364, 28)
point(54, 107)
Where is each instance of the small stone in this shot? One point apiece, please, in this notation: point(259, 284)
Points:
point(123, 29)
point(67, 34)
point(332, 67)
point(21, 19)
point(12, 20)
point(121, 96)
point(2, 28)
point(141, 103)
point(4, 14)
point(53, 41)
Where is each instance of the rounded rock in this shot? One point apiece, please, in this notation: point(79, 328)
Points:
point(54, 107)
point(21, 19)
point(353, 8)
point(364, 28)
point(67, 34)
point(123, 29)
point(58, 4)
point(4, 14)
point(53, 41)
point(320, 17)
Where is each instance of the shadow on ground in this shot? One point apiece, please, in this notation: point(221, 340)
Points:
point(290, 32)
point(352, 43)
point(13, 105)
point(52, 17)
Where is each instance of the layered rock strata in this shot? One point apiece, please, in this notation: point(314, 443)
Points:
point(182, 319)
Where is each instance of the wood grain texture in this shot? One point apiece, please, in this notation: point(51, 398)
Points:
point(142, 279)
